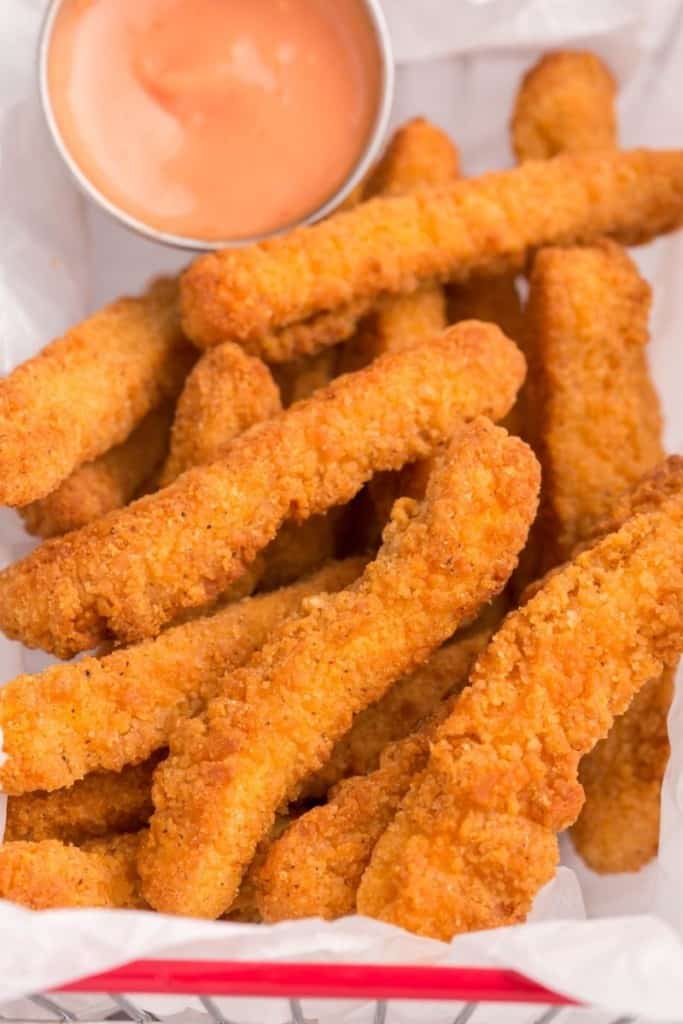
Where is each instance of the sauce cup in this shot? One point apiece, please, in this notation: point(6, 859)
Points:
point(384, 72)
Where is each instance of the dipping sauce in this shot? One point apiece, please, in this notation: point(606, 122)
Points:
point(215, 119)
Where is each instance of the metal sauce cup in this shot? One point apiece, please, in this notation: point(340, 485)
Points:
point(364, 163)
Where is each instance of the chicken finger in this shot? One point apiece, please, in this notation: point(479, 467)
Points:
point(401, 709)
point(483, 225)
point(136, 569)
point(49, 874)
point(227, 392)
point(107, 483)
point(105, 713)
point(566, 104)
point(101, 803)
point(86, 392)
point(229, 770)
point(475, 837)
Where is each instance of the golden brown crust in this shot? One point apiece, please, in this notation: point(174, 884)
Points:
point(104, 713)
point(314, 869)
point(226, 393)
point(136, 569)
point(49, 874)
point(86, 392)
point(403, 707)
point(597, 419)
point(229, 770)
point(419, 153)
point(475, 839)
point(107, 483)
point(565, 104)
point(391, 245)
point(101, 803)
point(618, 828)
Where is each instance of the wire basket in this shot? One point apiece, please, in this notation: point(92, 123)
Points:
point(474, 995)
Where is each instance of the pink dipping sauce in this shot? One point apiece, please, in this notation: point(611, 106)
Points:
point(214, 119)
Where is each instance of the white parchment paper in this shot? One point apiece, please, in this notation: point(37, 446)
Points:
point(614, 942)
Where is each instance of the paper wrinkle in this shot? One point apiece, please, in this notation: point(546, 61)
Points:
point(61, 256)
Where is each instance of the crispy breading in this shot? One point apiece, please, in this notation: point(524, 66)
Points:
point(311, 335)
point(86, 392)
point(49, 874)
point(226, 393)
point(104, 713)
point(101, 803)
point(475, 837)
point(597, 418)
point(231, 769)
point(618, 828)
point(134, 570)
point(565, 104)
point(495, 300)
point(106, 483)
point(244, 907)
point(597, 429)
point(315, 867)
point(391, 245)
point(401, 709)
point(419, 153)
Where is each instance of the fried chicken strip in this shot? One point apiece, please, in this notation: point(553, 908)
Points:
point(101, 803)
point(226, 393)
point(483, 225)
point(475, 837)
point(49, 874)
point(599, 429)
point(106, 483)
point(596, 409)
point(230, 770)
point(565, 104)
point(136, 569)
point(315, 867)
point(88, 391)
point(105, 713)
point(402, 708)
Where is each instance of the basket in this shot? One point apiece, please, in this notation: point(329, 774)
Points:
point(477, 995)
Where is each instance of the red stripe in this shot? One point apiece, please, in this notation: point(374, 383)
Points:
point(341, 981)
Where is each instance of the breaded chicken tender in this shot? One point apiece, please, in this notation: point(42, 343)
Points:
point(565, 104)
point(598, 429)
point(131, 572)
point(315, 867)
point(106, 483)
point(226, 393)
point(475, 837)
point(88, 391)
point(618, 828)
point(482, 225)
point(231, 769)
point(419, 153)
point(105, 713)
point(495, 300)
point(401, 709)
point(100, 804)
point(49, 874)
point(597, 418)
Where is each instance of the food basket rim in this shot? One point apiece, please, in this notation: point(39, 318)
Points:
point(319, 980)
